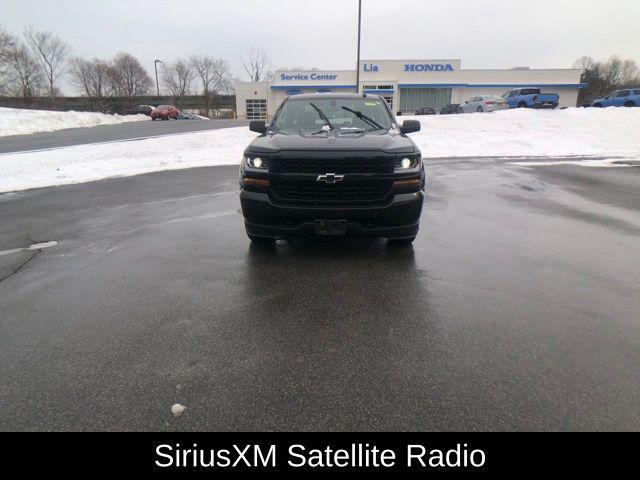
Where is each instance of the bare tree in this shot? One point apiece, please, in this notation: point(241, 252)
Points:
point(214, 75)
point(177, 78)
point(26, 78)
point(51, 52)
point(92, 77)
point(617, 72)
point(7, 44)
point(128, 79)
point(584, 63)
point(604, 77)
point(258, 65)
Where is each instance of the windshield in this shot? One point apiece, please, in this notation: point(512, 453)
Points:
point(343, 115)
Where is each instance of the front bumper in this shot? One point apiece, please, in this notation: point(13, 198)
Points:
point(397, 219)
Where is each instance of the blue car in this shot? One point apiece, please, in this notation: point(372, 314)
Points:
point(620, 98)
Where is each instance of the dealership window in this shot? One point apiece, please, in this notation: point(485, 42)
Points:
point(412, 99)
point(256, 109)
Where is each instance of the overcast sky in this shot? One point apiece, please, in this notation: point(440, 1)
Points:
point(322, 33)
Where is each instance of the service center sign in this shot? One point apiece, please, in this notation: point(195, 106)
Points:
point(428, 67)
point(308, 76)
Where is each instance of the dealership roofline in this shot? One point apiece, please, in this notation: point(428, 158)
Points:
point(491, 85)
point(411, 60)
point(517, 69)
point(445, 85)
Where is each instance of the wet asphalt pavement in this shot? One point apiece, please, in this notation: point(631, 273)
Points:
point(517, 308)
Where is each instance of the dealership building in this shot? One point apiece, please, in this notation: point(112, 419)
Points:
point(406, 84)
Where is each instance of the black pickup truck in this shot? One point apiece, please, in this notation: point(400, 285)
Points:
point(332, 164)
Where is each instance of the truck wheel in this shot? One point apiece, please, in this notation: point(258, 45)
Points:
point(629, 104)
point(399, 242)
point(460, 110)
point(480, 110)
point(522, 105)
point(597, 105)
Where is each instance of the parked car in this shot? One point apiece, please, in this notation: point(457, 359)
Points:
point(425, 111)
point(145, 109)
point(531, 97)
point(165, 112)
point(449, 109)
point(629, 97)
point(483, 103)
point(332, 164)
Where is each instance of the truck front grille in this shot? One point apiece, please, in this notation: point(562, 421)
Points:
point(344, 193)
point(380, 165)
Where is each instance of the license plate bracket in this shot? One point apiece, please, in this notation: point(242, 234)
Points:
point(331, 228)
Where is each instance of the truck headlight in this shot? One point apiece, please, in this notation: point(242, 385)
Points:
point(256, 162)
point(405, 163)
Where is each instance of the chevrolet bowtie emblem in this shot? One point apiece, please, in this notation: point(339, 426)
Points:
point(330, 178)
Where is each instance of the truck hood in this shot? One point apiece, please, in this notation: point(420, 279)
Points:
point(389, 142)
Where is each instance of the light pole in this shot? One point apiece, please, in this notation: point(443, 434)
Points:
point(155, 65)
point(358, 59)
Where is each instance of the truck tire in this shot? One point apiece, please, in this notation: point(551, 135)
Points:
point(630, 104)
point(597, 105)
point(522, 105)
point(480, 110)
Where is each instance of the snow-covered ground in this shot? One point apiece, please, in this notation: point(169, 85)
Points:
point(19, 121)
point(84, 163)
point(608, 133)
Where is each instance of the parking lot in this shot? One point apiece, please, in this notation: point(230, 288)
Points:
point(517, 308)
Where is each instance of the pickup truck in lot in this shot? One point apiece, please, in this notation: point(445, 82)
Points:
point(629, 97)
point(332, 164)
point(531, 98)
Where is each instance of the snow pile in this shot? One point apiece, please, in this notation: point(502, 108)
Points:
point(85, 163)
point(607, 133)
point(17, 121)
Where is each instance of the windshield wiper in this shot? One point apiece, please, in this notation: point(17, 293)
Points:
point(364, 117)
point(322, 115)
point(325, 129)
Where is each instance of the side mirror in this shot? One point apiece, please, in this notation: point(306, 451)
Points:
point(466, 101)
point(410, 126)
point(258, 126)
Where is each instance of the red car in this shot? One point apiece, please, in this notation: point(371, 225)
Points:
point(165, 112)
